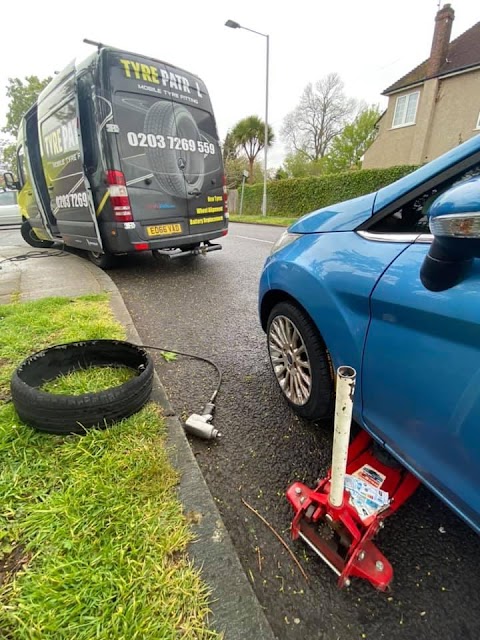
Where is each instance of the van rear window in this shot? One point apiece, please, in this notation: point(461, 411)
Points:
point(160, 140)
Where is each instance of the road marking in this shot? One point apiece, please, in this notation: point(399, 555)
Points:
point(256, 239)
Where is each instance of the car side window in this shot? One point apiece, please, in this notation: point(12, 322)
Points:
point(7, 198)
point(412, 217)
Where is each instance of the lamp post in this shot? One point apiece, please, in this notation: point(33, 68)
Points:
point(234, 25)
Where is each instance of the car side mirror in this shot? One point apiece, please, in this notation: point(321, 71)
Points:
point(10, 181)
point(454, 220)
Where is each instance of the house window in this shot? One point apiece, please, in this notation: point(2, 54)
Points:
point(406, 110)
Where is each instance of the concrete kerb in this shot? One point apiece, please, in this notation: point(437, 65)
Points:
point(236, 611)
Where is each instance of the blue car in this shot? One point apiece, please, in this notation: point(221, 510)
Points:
point(389, 283)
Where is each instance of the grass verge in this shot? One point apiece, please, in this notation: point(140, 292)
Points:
point(276, 221)
point(92, 537)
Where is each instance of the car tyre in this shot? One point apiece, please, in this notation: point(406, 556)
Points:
point(28, 234)
point(63, 414)
point(300, 361)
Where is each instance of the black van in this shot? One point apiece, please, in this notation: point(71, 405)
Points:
point(121, 154)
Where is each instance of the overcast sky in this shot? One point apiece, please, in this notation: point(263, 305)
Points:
point(370, 43)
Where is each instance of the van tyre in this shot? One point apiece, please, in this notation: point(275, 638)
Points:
point(62, 414)
point(300, 361)
point(175, 121)
point(32, 239)
point(104, 260)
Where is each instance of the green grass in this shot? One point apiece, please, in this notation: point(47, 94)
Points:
point(276, 221)
point(89, 380)
point(92, 523)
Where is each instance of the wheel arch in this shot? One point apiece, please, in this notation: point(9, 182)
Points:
point(275, 296)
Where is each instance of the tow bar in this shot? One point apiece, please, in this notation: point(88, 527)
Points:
point(204, 248)
point(339, 518)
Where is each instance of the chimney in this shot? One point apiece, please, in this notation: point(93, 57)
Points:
point(441, 40)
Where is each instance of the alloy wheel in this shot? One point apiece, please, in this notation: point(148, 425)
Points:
point(290, 360)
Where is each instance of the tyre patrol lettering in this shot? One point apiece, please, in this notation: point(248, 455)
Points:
point(149, 73)
point(62, 139)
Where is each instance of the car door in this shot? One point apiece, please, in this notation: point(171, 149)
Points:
point(421, 375)
point(9, 210)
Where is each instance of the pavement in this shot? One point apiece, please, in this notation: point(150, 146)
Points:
point(27, 274)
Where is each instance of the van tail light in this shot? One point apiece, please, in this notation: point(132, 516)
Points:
point(225, 195)
point(119, 197)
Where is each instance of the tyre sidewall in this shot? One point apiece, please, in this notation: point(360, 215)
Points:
point(102, 260)
point(31, 239)
point(66, 414)
point(320, 403)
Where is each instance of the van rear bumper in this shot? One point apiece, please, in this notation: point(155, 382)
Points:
point(119, 240)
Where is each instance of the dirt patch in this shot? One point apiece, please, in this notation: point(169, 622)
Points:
point(12, 563)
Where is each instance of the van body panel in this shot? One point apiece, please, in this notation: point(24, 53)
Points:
point(62, 159)
point(169, 148)
point(149, 120)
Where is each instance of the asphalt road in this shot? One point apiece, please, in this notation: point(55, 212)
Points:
point(208, 306)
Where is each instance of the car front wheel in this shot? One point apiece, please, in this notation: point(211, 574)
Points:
point(300, 361)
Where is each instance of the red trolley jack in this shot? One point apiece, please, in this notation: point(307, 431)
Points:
point(339, 518)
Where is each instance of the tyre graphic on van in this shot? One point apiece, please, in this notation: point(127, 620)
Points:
point(175, 168)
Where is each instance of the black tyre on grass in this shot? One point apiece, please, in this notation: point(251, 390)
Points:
point(63, 414)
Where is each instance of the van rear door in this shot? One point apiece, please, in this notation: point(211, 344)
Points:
point(63, 165)
point(168, 147)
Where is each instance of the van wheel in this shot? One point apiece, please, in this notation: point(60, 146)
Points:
point(30, 237)
point(104, 260)
point(179, 173)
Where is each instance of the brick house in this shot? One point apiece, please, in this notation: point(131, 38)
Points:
point(435, 106)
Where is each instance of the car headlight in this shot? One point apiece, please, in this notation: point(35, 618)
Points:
point(285, 239)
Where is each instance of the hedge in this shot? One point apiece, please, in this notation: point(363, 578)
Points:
point(297, 196)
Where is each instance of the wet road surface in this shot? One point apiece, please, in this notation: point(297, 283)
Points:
point(208, 306)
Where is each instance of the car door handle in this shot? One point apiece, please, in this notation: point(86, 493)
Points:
point(194, 192)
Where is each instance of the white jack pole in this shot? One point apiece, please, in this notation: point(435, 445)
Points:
point(341, 438)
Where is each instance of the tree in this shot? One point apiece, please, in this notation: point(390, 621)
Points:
point(22, 94)
point(229, 147)
point(234, 168)
point(321, 115)
point(299, 165)
point(249, 135)
point(7, 156)
point(348, 148)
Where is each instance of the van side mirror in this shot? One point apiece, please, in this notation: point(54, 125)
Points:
point(454, 220)
point(10, 181)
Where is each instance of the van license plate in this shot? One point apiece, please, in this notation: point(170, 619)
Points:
point(164, 229)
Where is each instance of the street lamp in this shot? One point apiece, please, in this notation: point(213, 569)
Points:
point(234, 25)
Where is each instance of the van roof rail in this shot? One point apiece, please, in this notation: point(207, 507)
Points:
point(100, 45)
